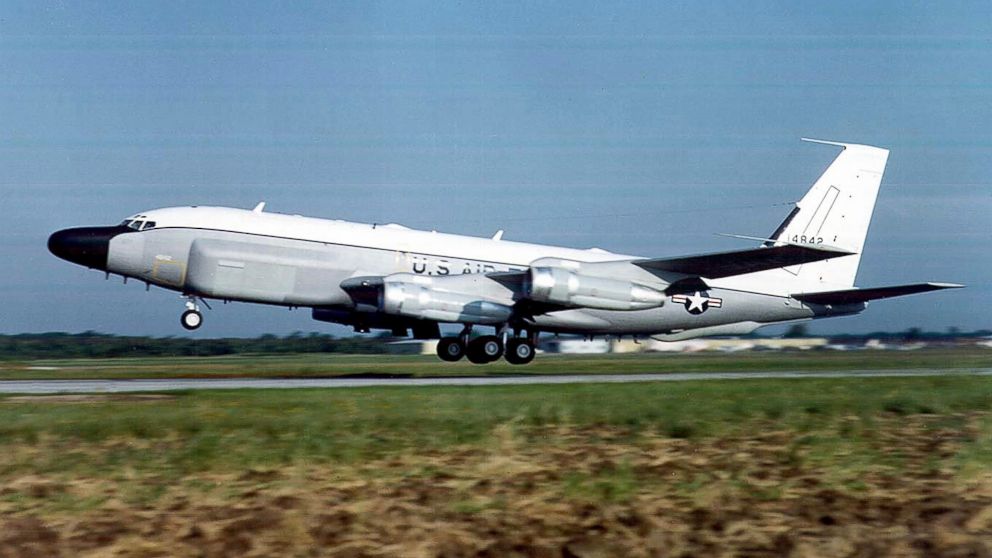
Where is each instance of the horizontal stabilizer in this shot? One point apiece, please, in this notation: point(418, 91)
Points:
point(739, 262)
point(851, 296)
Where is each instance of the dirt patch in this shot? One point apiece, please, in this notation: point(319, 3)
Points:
point(551, 492)
point(24, 537)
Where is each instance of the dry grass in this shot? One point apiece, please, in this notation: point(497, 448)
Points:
point(853, 467)
point(558, 491)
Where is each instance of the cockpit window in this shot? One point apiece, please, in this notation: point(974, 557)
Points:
point(138, 224)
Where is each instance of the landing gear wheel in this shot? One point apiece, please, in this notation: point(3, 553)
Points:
point(485, 349)
point(519, 351)
point(450, 349)
point(191, 319)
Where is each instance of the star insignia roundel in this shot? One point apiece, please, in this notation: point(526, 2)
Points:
point(698, 302)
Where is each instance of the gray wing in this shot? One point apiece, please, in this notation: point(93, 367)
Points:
point(851, 296)
point(739, 262)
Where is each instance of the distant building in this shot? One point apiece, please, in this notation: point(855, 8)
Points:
point(428, 347)
point(759, 344)
point(627, 345)
point(579, 345)
point(571, 346)
point(687, 346)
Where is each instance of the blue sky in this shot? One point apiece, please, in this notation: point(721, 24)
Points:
point(637, 127)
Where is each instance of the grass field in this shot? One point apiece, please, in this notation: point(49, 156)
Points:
point(208, 430)
point(810, 467)
point(313, 365)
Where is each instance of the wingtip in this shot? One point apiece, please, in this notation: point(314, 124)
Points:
point(825, 142)
point(946, 285)
point(826, 248)
point(845, 145)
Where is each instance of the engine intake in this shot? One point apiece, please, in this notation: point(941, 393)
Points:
point(560, 286)
point(401, 298)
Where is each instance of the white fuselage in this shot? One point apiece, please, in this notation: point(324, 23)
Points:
point(290, 260)
point(373, 276)
point(434, 246)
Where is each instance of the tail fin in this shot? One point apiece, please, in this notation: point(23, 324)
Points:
point(835, 212)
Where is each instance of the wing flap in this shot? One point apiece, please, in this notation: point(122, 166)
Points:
point(739, 262)
point(851, 296)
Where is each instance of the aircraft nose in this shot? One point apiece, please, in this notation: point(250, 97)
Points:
point(87, 246)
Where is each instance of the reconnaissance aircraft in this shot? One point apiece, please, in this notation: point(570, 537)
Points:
point(394, 278)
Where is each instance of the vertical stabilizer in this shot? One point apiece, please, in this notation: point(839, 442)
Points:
point(836, 212)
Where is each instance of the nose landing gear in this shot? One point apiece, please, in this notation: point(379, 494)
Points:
point(192, 318)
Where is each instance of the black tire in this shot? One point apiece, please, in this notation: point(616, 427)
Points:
point(485, 349)
point(450, 349)
point(191, 319)
point(519, 351)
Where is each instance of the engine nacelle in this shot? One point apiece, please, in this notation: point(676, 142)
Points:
point(557, 285)
point(403, 298)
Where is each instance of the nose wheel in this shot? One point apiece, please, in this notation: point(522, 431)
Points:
point(192, 318)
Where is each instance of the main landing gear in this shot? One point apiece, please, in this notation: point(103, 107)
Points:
point(483, 350)
point(519, 350)
point(487, 348)
point(192, 318)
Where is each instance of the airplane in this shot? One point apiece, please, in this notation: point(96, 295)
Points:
point(373, 276)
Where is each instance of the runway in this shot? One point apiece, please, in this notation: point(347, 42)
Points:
point(42, 387)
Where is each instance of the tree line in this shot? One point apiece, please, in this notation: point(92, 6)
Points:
point(91, 344)
point(99, 345)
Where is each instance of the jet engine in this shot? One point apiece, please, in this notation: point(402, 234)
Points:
point(557, 285)
point(403, 298)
